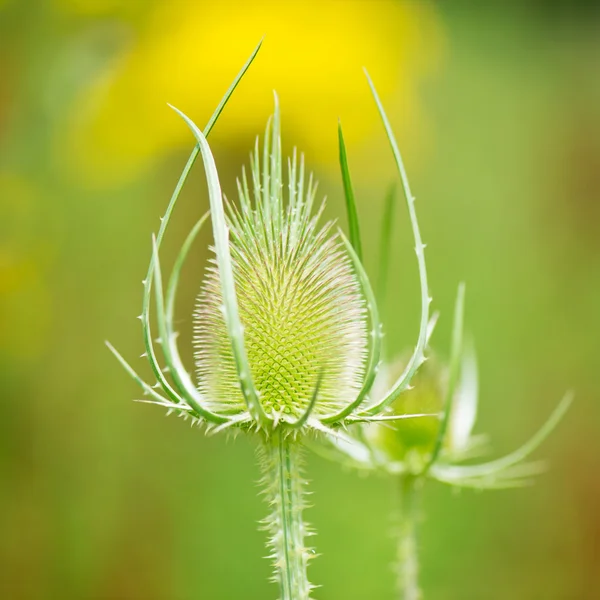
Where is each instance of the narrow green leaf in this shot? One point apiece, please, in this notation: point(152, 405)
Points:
point(417, 357)
point(213, 119)
point(230, 307)
point(353, 225)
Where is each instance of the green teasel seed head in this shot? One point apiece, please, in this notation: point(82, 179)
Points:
point(411, 441)
point(300, 303)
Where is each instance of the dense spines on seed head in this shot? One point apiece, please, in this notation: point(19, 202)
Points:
point(299, 301)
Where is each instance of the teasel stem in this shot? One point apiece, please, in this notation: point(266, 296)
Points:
point(281, 461)
point(408, 562)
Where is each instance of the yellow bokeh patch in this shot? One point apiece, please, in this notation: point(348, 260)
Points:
point(187, 53)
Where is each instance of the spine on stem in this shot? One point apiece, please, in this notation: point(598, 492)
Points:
point(283, 484)
point(408, 563)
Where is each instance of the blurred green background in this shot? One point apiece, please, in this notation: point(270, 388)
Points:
point(497, 109)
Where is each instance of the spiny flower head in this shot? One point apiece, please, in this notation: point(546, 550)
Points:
point(299, 300)
point(287, 333)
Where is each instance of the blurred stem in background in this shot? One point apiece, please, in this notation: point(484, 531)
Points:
point(408, 562)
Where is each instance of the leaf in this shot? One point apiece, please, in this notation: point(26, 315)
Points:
point(353, 225)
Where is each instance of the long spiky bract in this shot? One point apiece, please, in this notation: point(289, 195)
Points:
point(418, 356)
point(287, 339)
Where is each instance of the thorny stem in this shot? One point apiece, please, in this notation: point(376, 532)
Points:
point(408, 563)
point(284, 483)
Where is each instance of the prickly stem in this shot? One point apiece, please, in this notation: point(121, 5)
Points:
point(284, 484)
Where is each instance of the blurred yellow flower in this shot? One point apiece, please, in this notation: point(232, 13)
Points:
point(186, 52)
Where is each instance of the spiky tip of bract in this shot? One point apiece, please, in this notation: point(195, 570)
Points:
point(299, 300)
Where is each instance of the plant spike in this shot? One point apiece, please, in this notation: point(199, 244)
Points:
point(417, 357)
point(351, 211)
point(388, 418)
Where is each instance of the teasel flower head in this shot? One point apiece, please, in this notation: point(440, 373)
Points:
point(300, 302)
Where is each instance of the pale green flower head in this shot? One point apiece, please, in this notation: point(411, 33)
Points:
point(411, 440)
point(300, 302)
point(287, 335)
